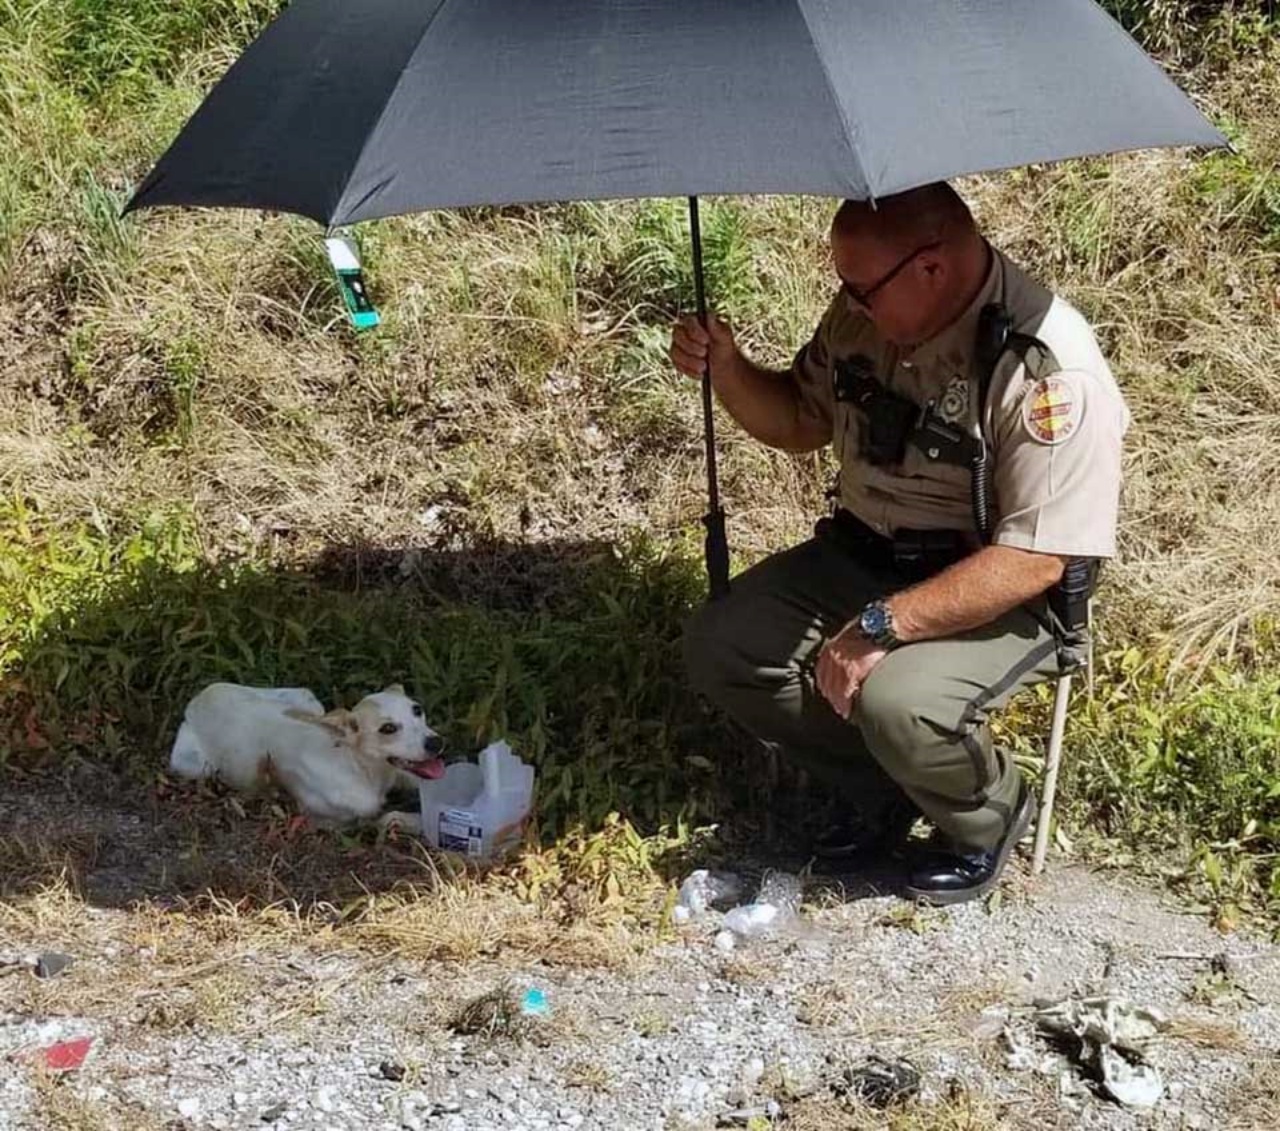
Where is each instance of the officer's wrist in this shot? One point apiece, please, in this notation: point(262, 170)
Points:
point(904, 626)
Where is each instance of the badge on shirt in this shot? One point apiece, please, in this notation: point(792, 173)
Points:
point(954, 407)
point(1052, 410)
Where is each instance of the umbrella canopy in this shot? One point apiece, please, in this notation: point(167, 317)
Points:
point(346, 111)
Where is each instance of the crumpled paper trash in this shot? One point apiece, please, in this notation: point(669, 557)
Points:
point(1114, 1037)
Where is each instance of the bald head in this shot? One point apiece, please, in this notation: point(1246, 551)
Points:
point(913, 263)
point(907, 220)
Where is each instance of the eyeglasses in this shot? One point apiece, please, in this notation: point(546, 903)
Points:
point(863, 296)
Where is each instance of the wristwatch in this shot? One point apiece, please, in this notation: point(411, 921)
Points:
point(875, 622)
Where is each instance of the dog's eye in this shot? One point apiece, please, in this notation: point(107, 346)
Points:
point(388, 728)
point(417, 711)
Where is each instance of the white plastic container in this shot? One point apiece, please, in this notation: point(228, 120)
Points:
point(480, 811)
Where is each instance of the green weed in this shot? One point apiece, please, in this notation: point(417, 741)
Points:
point(107, 637)
point(1160, 759)
point(118, 47)
point(1243, 190)
point(1195, 30)
point(516, 420)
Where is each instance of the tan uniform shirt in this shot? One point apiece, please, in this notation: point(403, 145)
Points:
point(1054, 433)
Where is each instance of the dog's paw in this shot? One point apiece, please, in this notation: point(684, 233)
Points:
point(405, 824)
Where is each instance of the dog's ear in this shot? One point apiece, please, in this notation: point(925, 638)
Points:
point(394, 689)
point(342, 722)
point(339, 722)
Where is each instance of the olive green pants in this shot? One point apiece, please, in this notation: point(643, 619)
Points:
point(919, 725)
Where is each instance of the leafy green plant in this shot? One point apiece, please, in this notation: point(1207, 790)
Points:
point(107, 638)
point(657, 258)
point(1158, 757)
point(1243, 188)
point(1196, 29)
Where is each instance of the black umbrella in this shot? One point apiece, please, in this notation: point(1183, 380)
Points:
point(348, 110)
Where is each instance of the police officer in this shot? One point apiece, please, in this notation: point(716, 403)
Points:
point(978, 432)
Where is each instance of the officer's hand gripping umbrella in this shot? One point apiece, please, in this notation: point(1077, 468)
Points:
point(349, 110)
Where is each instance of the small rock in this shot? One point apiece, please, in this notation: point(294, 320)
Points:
point(390, 1070)
point(189, 1108)
point(240, 1098)
point(274, 1112)
point(51, 964)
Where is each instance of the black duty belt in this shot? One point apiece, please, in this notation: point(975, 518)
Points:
point(913, 554)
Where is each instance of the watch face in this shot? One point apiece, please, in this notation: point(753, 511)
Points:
point(873, 621)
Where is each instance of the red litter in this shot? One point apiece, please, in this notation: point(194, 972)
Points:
point(65, 1056)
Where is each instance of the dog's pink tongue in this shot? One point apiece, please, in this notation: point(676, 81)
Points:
point(429, 770)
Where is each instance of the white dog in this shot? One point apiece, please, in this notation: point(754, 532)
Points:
point(338, 766)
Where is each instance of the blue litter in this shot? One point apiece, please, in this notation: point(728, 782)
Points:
point(534, 1003)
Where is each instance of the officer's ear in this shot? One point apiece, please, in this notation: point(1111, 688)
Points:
point(935, 270)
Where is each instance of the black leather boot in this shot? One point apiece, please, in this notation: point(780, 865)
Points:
point(943, 878)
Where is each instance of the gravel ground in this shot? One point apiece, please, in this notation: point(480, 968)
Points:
point(685, 1038)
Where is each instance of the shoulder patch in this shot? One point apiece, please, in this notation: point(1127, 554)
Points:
point(1053, 409)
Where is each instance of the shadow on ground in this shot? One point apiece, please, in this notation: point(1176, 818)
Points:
point(568, 649)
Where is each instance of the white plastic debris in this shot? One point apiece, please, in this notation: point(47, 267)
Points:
point(479, 810)
point(1134, 1085)
point(776, 906)
point(1114, 1037)
point(703, 888)
point(752, 920)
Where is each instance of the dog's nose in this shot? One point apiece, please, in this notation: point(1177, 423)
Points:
point(433, 744)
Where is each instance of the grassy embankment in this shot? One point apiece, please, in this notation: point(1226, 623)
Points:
point(205, 474)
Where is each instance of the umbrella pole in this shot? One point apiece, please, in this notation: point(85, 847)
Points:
point(717, 544)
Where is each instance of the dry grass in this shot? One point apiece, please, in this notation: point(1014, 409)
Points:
point(828, 1005)
point(959, 1111)
point(1207, 1033)
point(212, 375)
point(204, 880)
point(495, 1013)
point(652, 1023)
point(60, 1106)
point(1185, 294)
point(223, 958)
point(1256, 1104)
point(521, 365)
point(748, 970)
point(589, 1075)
